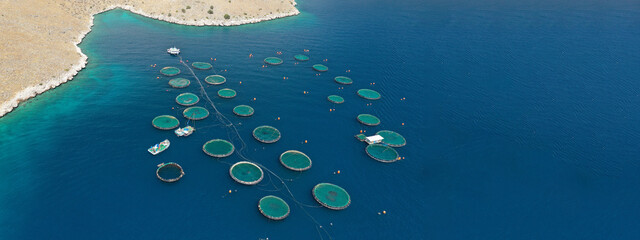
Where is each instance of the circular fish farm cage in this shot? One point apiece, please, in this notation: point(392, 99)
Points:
point(368, 119)
point(201, 65)
point(301, 57)
point(382, 153)
point(187, 99)
point(165, 122)
point(243, 110)
point(331, 196)
point(179, 83)
point(195, 113)
point(295, 160)
point(266, 134)
point(169, 172)
point(246, 173)
point(392, 138)
point(335, 99)
point(215, 79)
point(227, 93)
point(218, 148)
point(273, 207)
point(369, 94)
point(170, 71)
point(343, 80)
point(320, 68)
point(273, 61)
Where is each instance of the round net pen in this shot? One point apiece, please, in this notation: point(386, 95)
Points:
point(243, 110)
point(273, 207)
point(295, 160)
point(301, 57)
point(195, 113)
point(266, 134)
point(187, 99)
point(320, 68)
point(215, 79)
point(331, 196)
point(343, 80)
point(226, 93)
point(382, 153)
point(201, 65)
point(179, 83)
point(169, 172)
point(218, 148)
point(369, 94)
point(368, 119)
point(335, 99)
point(392, 138)
point(246, 173)
point(165, 122)
point(170, 71)
point(273, 61)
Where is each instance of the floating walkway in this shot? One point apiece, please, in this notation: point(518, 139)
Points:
point(368, 119)
point(187, 99)
point(369, 94)
point(179, 83)
point(331, 196)
point(320, 68)
point(382, 153)
point(273, 61)
point(273, 207)
point(295, 160)
point(170, 71)
point(215, 79)
point(301, 57)
point(201, 65)
point(243, 110)
point(218, 148)
point(392, 138)
point(343, 80)
point(195, 113)
point(226, 93)
point(169, 172)
point(335, 99)
point(165, 122)
point(246, 173)
point(266, 134)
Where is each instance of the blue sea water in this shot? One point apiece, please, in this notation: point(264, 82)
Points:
point(521, 120)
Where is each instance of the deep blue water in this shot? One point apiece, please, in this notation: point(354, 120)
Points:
point(521, 121)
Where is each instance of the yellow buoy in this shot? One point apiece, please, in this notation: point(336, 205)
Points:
point(229, 190)
point(384, 212)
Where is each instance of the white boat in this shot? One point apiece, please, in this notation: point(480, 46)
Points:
point(185, 131)
point(158, 148)
point(173, 51)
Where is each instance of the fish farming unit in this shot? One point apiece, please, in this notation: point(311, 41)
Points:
point(368, 119)
point(179, 83)
point(320, 68)
point(215, 79)
point(301, 57)
point(246, 173)
point(165, 122)
point(218, 148)
point(295, 160)
point(201, 65)
point(243, 110)
point(369, 94)
point(273, 61)
point(273, 207)
point(226, 93)
point(266, 134)
point(331, 196)
point(343, 80)
point(195, 113)
point(391, 138)
point(170, 71)
point(187, 99)
point(169, 172)
point(382, 153)
point(335, 99)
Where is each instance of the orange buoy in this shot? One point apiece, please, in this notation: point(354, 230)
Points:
point(384, 212)
point(338, 171)
point(229, 190)
point(254, 99)
point(278, 118)
point(305, 141)
point(402, 124)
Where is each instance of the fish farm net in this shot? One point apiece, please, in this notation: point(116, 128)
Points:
point(392, 138)
point(273, 207)
point(227, 93)
point(215, 79)
point(295, 160)
point(273, 61)
point(246, 173)
point(335, 99)
point(266, 134)
point(201, 65)
point(165, 122)
point(195, 113)
point(368, 119)
point(169, 172)
point(218, 148)
point(301, 57)
point(187, 99)
point(382, 153)
point(179, 83)
point(369, 94)
point(343, 80)
point(170, 71)
point(243, 110)
point(331, 196)
point(320, 68)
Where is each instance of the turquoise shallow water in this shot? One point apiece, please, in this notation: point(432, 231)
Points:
point(519, 124)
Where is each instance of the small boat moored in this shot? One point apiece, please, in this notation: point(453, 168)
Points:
point(185, 131)
point(158, 148)
point(173, 51)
